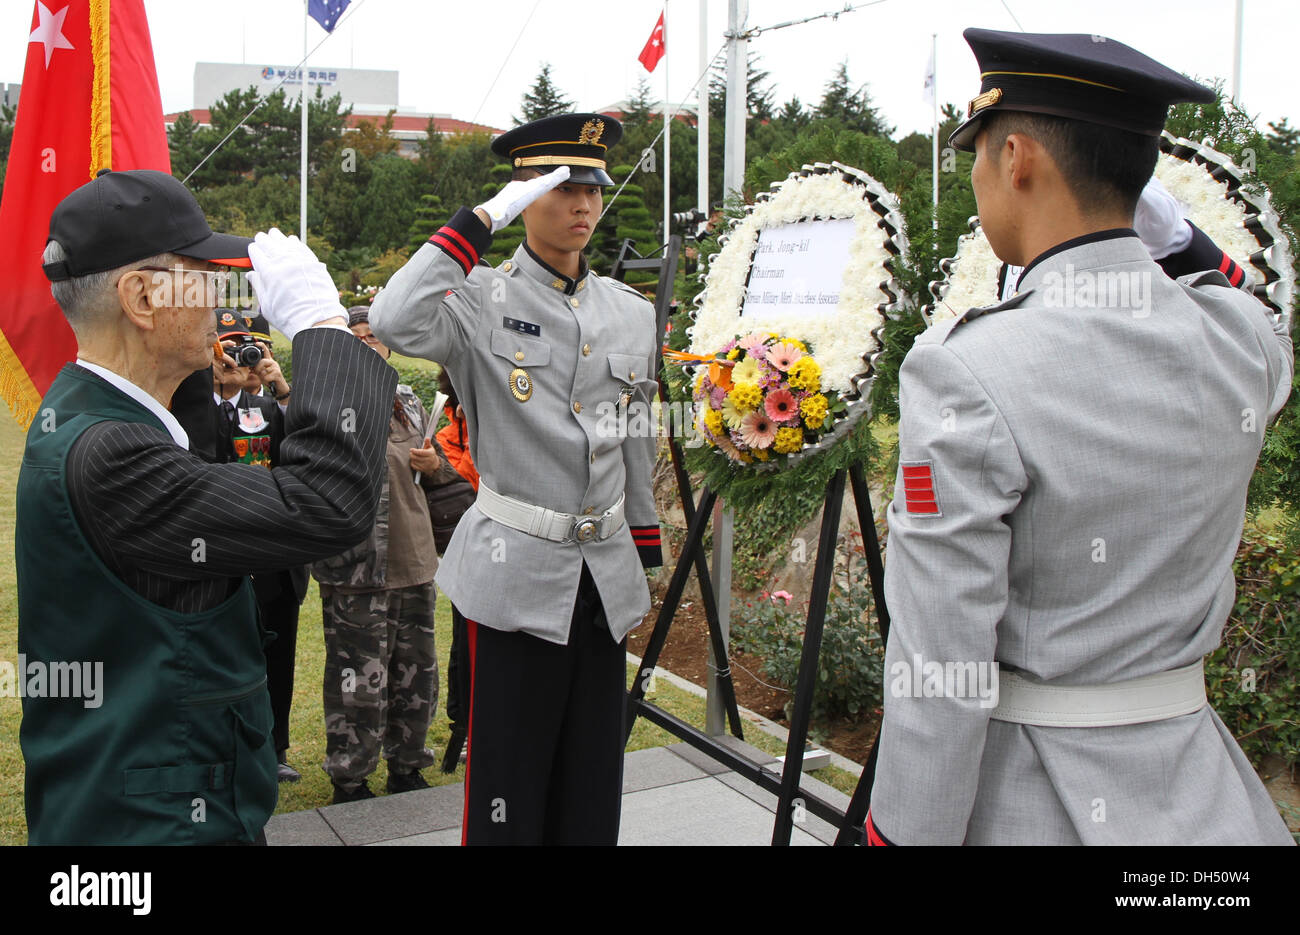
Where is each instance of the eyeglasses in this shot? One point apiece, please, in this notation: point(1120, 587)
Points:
point(212, 293)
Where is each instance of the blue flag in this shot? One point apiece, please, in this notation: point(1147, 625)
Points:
point(327, 12)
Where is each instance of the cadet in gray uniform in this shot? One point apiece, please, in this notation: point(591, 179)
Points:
point(1071, 491)
point(548, 563)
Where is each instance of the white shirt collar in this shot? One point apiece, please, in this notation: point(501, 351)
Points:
point(144, 399)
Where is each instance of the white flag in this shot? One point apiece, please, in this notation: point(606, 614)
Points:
point(928, 94)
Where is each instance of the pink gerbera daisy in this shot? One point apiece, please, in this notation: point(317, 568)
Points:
point(782, 356)
point(752, 344)
point(781, 406)
point(757, 430)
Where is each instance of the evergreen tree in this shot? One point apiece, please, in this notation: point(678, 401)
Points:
point(758, 99)
point(850, 108)
point(429, 217)
point(1283, 138)
point(544, 100)
point(389, 203)
point(640, 108)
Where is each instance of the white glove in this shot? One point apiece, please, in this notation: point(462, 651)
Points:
point(1159, 221)
point(294, 290)
point(509, 203)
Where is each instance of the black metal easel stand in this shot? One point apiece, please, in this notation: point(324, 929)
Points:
point(786, 787)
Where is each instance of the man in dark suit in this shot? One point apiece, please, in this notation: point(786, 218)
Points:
point(132, 553)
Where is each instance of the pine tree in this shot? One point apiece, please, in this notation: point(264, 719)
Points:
point(852, 109)
point(429, 217)
point(641, 107)
point(544, 100)
point(758, 99)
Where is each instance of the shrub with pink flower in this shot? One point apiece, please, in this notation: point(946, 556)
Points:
point(753, 408)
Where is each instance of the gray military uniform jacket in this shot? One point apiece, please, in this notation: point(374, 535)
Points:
point(1070, 499)
point(584, 346)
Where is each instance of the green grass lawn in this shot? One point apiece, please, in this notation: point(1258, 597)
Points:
point(307, 724)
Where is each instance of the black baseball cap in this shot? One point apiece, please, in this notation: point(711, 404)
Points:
point(119, 218)
point(578, 141)
point(1077, 76)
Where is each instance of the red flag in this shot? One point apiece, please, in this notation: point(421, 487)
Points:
point(89, 101)
point(654, 46)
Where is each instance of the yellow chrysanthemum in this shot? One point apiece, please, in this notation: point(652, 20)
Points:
point(746, 396)
point(761, 454)
point(699, 384)
point(788, 441)
point(733, 353)
point(746, 371)
point(813, 410)
point(806, 374)
point(799, 344)
point(713, 421)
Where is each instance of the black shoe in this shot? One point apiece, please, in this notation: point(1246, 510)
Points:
point(405, 782)
point(283, 771)
point(358, 794)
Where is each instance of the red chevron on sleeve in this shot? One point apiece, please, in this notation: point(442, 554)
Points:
point(918, 488)
point(1229, 268)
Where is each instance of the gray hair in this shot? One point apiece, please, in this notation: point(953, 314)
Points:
point(83, 299)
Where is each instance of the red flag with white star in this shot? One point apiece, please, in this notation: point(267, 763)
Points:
point(89, 101)
point(654, 47)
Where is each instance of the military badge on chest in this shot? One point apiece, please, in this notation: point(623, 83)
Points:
point(521, 384)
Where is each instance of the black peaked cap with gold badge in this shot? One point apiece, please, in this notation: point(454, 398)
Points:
point(1080, 77)
point(578, 141)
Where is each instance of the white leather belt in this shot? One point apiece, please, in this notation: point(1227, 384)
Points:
point(548, 524)
point(1149, 698)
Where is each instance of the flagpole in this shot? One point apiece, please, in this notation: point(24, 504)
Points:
point(302, 163)
point(702, 117)
point(1236, 54)
point(934, 93)
point(663, 38)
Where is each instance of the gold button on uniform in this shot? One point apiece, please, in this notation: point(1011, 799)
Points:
point(574, 302)
point(588, 511)
point(586, 350)
point(630, 376)
point(593, 457)
point(519, 355)
point(577, 407)
point(507, 266)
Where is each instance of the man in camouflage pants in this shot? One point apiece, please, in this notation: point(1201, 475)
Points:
point(377, 601)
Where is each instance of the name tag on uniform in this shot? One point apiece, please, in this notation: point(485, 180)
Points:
point(523, 327)
point(251, 420)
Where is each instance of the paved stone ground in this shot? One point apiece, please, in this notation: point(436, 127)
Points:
point(671, 795)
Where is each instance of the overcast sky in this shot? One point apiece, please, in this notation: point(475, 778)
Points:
point(448, 54)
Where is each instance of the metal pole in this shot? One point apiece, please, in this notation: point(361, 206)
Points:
point(934, 90)
point(302, 163)
point(702, 118)
point(1236, 53)
point(733, 163)
point(667, 148)
point(715, 712)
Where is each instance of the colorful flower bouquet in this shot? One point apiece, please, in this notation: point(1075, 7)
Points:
point(761, 399)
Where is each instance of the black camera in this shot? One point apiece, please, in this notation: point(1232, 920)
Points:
point(246, 352)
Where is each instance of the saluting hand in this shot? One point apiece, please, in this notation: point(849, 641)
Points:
point(507, 204)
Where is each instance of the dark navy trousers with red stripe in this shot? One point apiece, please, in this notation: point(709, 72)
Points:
point(545, 762)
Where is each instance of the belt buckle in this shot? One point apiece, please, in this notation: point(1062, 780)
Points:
point(585, 528)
